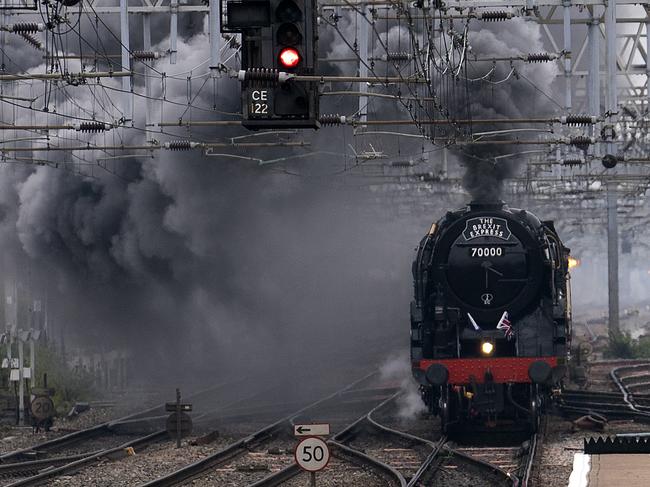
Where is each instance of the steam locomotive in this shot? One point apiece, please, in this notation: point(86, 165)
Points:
point(491, 318)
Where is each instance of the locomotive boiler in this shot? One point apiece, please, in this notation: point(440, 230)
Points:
point(491, 316)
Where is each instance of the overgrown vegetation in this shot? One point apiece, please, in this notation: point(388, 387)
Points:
point(622, 345)
point(70, 385)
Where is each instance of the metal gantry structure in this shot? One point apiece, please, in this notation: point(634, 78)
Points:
point(101, 96)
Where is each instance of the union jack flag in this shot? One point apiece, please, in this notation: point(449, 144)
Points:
point(505, 325)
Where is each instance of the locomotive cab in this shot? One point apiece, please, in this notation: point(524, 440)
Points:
point(490, 319)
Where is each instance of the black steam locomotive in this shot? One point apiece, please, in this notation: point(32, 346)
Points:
point(491, 318)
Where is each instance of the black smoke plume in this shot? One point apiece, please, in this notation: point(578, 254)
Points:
point(509, 91)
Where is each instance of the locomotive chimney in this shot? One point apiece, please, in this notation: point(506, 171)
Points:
point(483, 205)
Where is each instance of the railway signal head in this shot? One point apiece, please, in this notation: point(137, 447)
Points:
point(294, 40)
point(289, 58)
point(277, 36)
point(289, 39)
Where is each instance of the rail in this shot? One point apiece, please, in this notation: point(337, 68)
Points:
point(242, 446)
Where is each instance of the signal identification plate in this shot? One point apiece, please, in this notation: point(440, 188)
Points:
point(260, 103)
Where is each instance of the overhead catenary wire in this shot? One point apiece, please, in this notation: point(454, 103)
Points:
point(452, 61)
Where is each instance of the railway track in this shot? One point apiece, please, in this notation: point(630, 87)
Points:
point(395, 457)
point(504, 465)
point(110, 440)
point(599, 372)
point(635, 378)
point(238, 460)
point(404, 459)
point(629, 398)
point(144, 419)
point(631, 381)
point(611, 405)
point(351, 455)
point(73, 452)
point(38, 471)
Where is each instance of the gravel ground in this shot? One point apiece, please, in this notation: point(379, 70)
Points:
point(340, 473)
point(406, 461)
point(599, 378)
point(249, 468)
point(16, 438)
point(155, 461)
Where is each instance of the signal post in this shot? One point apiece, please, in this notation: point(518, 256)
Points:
point(279, 40)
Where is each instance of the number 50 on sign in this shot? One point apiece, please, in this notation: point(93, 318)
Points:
point(312, 454)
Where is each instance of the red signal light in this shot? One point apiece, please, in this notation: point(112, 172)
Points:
point(289, 57)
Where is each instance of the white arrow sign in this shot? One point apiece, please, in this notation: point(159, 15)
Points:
point(312, 454)
point(321, 429)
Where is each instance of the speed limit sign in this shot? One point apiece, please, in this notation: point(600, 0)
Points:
point(312, 454)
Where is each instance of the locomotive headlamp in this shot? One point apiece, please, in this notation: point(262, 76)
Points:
point(573, 262)
point(487, 348)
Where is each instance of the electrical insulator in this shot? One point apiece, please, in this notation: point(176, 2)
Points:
point(337, 119)
point(579, 120)
point(91, 127)
point(581, 142)
point(397, 56)
point(264, 75)
point(573, 162)
point(145, 55)
point(32, 40)
point(179, 145)
point(538, 57)
point(26, 27)
point(496, 16)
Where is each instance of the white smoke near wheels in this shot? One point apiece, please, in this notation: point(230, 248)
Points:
point(409, 404)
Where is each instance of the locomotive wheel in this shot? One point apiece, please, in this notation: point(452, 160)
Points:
point(535, 409)
point(444, 409)
point(444, 416)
